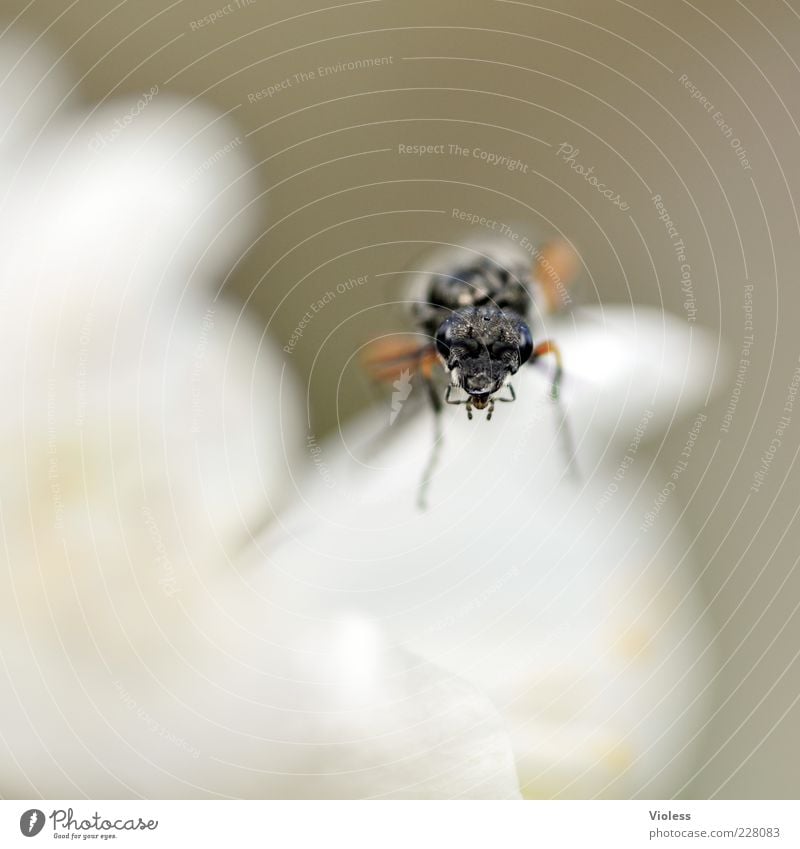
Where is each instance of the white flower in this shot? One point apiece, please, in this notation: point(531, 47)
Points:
point(149, 430)
point(552, 593)
point(529, 632)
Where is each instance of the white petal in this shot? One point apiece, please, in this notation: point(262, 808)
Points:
point(621, 362)
point(545, 592)
point(236, 696)
point(150, 430)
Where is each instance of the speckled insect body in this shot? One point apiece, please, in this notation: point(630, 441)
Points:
point(473, 318)
point(478, 317)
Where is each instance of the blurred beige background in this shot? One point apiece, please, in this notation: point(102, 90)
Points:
point(697, 103)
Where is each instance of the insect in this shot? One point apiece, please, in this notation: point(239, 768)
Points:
point(474, 321)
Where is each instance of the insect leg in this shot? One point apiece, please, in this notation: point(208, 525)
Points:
point(549, 347)
point(458, 402)
point(430, 466)
point(447, 398)
point(568, 445)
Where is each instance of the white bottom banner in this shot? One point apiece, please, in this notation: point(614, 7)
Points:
point(388, 824)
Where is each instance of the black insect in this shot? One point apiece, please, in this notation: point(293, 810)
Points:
point(476, 320)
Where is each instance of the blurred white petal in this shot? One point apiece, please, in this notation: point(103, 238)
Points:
point(237, 698)
point(149, 431)
point(584, 629)
point(622, 360)
point(32, 86)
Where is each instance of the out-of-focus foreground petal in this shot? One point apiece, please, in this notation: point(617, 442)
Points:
point(553, 593)
point(148, 430)
point(233, 697)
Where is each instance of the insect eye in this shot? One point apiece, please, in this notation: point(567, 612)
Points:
point(525, 344)
point(470, 346)
point(443, 341)
point(500, 349)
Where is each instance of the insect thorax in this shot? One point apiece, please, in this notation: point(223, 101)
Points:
point(484, 283)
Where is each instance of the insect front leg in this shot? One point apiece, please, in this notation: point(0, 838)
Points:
point(564, 430)
point(550, 347)
point(458, 402)
point(433, 459)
